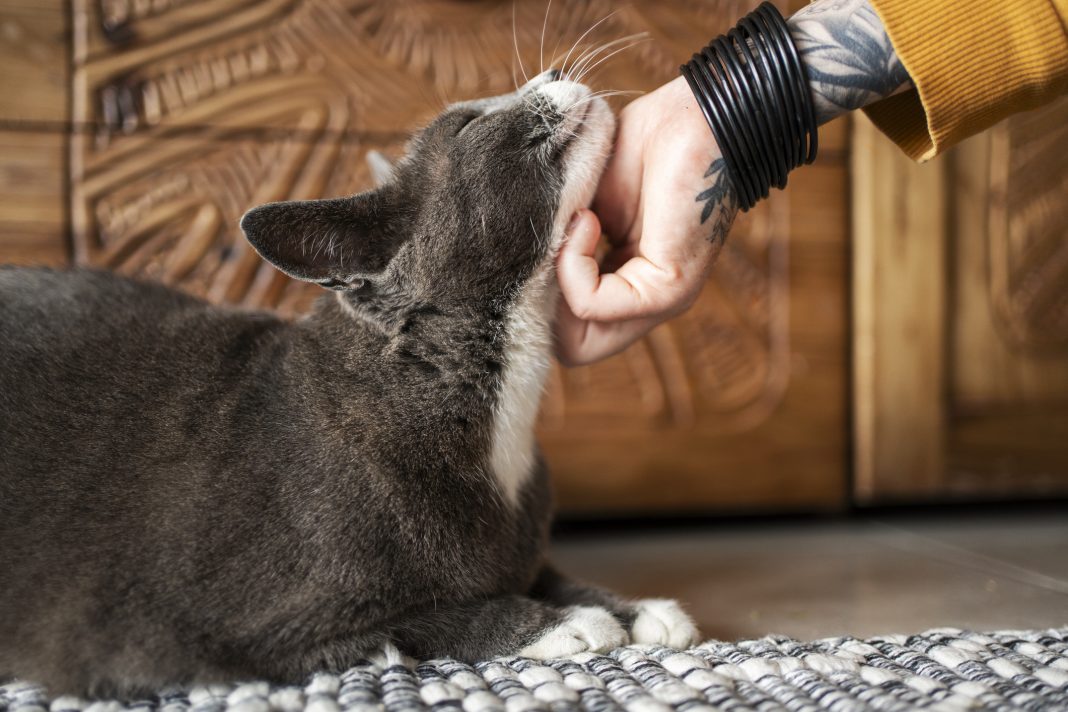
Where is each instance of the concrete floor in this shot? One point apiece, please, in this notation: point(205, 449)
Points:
point(862, 577)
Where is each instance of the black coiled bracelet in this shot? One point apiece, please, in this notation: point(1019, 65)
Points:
point(752, 90)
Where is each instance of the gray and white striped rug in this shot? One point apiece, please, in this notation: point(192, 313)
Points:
point(943, 669)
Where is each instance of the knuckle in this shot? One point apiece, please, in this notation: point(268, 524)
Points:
point(674, 275)
point(672, 293)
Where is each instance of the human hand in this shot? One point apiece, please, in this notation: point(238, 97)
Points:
point(666, 204)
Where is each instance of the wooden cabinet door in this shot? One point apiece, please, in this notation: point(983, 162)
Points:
point(960, 320)
point(185, 113)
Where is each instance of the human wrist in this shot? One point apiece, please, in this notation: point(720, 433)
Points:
point(751, 87)
point(696, 152)
point(678, 113)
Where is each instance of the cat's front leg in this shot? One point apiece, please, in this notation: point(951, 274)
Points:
point(654, 621)
point(507, 625)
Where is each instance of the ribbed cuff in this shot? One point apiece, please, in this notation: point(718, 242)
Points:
point(972, 64)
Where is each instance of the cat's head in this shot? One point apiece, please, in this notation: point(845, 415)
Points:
point(475, 209)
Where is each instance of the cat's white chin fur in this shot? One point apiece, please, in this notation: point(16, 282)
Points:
point(584, 629)
point(529, 326)
point(661, 621)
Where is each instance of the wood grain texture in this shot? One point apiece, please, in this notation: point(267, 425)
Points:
point(184, 113)
point(1009, 331)
point(1028, 230)
point(34, 98)
point(32, 200)
point(1011, 289)
point(35, 58)
point(959, 314)
point(899, 282)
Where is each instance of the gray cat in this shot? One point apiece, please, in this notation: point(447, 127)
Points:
point(191, 493)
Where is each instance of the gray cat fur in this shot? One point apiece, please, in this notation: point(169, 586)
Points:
point(192, 493)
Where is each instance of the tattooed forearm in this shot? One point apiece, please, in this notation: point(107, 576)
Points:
point(847, 55)
point(720, 203)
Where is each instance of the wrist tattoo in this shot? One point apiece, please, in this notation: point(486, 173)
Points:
point(847, 54)
point(720, 202)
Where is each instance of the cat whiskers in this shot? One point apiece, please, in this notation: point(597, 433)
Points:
point(538, 109)
point(537, 237)
point(591, 28)
point(602, 94)
point(534, 108)
point(515, 42)
point(541, 45)
point(585, 65)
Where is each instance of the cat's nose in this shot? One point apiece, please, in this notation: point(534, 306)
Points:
point(553, 75)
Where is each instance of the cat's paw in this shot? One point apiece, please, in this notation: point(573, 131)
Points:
point(583, 629)
point(388, 655)
point(661, 621)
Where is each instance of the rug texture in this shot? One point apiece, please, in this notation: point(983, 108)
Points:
point(944, 669)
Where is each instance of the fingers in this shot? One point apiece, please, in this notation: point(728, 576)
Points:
point(579, 342)
point(602, 314)
point(637, 289)
point(576, 265)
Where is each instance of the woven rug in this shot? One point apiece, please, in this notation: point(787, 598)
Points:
point(943, 669)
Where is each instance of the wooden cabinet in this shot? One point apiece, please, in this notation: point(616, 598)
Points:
point(34, 129)
point(960, 322)
point(136, 132)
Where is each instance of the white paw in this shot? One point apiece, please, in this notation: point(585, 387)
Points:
point(388, 655)
point(661, 621)
point(583, 629)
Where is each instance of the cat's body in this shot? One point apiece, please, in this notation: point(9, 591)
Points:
point(191, 493)
point(222, 478)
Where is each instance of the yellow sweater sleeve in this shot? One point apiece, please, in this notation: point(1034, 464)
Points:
point(972, 63)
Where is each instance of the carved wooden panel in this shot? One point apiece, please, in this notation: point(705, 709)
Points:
point(187, 112)
point(1028, 232)
point(961, 318)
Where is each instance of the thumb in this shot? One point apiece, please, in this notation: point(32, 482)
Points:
point(639, 288)
point(582, 234)
point(577, 269)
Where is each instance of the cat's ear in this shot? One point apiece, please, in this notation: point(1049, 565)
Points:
point(335, 243)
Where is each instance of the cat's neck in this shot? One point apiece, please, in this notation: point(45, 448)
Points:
point(527, 357)
point(487, 369)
